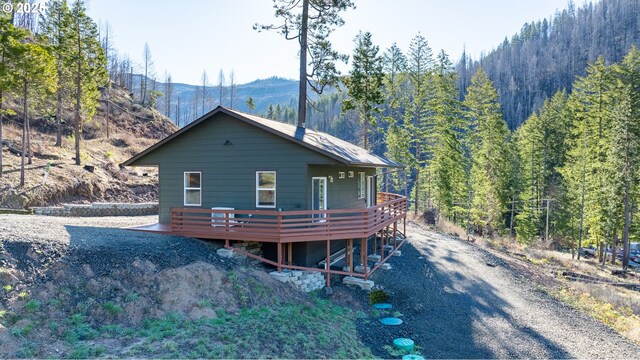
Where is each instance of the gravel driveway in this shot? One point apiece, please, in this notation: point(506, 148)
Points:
point(454, 305)
point(33, 242)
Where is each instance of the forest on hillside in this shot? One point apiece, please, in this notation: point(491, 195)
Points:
point(548, 54)
point(568, 176)
point(61, 66)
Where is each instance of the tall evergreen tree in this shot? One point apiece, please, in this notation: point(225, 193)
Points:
point(624, 153)
point(310, 22)
point(397, 139)
point(10, 36)
point(36, 75)
point(624, 160)
point(447, 166)
point(585, 169)
point(55, 26)
point(364, 83)
point(490, 166)
point(87, 63)
point(420, 65)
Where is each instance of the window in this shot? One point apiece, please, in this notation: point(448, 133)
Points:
point(361, 185)
point(192, 188)
point(266, 189)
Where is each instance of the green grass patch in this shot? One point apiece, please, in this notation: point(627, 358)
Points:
point(79, 329)
point(84, 351)
point(32, 305)
point(320, 329)
point(619, 318)
point(112, 308)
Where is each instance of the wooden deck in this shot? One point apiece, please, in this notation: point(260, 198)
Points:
point(289, 226)
point(286, 227)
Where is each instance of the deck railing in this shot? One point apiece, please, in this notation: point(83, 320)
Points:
point(289, 226)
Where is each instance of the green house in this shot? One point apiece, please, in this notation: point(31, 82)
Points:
point(227, 159)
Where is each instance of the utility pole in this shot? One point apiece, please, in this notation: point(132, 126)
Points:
point(546, 230)
point(513, 201)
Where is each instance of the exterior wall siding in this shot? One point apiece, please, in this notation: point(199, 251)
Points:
point(341, 194)
point(229, 171)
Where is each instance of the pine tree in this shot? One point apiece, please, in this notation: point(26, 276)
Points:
point(624, 153)
point(624, 157)
point(87, 63)
point(364, 84)
point(447, 166)
point(420, 65)
point(251, 105)
point(9, 37)
point(36, 75)
point(397, 139)
point(310, 22)
point(490, 165)
point(529, 142)
point(55, 26)
point(585, 170)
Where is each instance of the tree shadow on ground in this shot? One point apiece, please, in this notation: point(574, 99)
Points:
point(450, 311)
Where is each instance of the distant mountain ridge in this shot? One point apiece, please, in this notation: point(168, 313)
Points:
point(273, 90)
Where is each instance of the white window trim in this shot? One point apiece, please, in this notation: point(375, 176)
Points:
point(313, 194)
point(258, 188)
point(362, 185)
point(185, 188)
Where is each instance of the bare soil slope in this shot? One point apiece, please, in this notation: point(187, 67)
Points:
point(132, 129)
point(83, 288)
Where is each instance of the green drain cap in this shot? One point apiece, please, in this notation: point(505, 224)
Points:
point(390, 321)
point(403, 344)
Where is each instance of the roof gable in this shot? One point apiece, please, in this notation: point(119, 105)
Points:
point(325, 144)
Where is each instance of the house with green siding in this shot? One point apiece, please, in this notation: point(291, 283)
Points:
point(227, 159)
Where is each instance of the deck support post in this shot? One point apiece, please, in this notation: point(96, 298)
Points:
point(279, 256)
point(328, 263)
point(366, 260)
point(350, 255)
point(386, 236)
point(346, 252)
point(375, 243)
point(395, 239)
point(290, 253)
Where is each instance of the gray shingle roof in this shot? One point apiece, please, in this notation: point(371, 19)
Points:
point(328, 145)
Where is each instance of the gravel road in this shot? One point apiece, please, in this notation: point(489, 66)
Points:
point(459, 301)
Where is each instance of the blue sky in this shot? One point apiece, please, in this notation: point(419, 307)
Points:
point(187, 37)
